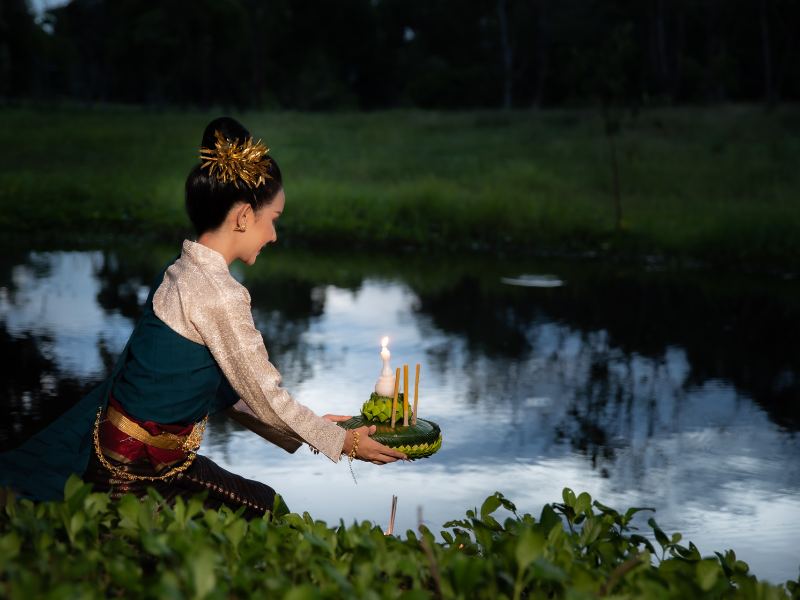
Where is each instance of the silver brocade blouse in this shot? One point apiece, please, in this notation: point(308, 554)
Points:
point(201, 301)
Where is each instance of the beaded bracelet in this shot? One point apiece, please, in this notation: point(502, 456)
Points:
point(353, 453)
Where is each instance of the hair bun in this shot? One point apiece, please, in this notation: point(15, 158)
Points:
point(229, 127)
point(213, 185)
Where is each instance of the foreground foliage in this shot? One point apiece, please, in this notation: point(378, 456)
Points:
point(90, 547)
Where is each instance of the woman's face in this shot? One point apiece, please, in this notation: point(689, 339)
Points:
point(262, 231)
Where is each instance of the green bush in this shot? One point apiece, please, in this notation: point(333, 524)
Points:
point(90, 547)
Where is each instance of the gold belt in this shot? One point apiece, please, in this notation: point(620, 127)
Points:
point(164, 441)
point(190, 442)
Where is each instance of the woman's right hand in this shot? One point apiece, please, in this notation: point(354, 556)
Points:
point(368, 449)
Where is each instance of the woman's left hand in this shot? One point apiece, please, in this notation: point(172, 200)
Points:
point(336, 418)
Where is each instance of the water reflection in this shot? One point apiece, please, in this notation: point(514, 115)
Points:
point(673, 390)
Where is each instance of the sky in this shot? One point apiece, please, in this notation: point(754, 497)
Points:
point(39, 6)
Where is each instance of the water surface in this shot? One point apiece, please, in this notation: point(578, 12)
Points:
point(672, 390)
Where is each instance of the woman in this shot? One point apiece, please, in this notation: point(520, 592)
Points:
point(195, 351)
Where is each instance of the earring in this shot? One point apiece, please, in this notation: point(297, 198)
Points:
point(242, 227)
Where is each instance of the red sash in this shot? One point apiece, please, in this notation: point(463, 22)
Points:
point(129, 440)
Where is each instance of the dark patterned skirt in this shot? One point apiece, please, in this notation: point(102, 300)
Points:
point(203, 475)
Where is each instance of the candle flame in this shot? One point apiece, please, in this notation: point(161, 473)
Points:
point(384, 341)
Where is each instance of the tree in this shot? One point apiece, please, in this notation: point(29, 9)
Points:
point(18, 44)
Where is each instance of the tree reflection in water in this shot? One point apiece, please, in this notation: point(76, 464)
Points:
point(620, 347)
point(749, 337)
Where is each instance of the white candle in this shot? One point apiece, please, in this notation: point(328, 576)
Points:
point(385, 384)
point(385, 356)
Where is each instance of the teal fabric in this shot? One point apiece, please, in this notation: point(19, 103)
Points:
point(159, 376)
point(40, 467)
point(166, 378)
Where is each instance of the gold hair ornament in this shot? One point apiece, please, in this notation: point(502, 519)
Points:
point(232, 162)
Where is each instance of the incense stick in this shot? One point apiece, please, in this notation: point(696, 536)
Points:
point(405, 395)
point(396, 388)
point(391, 516)
point(416, 395)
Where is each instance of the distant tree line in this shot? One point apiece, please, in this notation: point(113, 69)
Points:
point(321, 54)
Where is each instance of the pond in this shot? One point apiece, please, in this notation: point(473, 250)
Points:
point(644, 387)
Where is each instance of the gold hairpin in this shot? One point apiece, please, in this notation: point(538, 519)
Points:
point(232, 162)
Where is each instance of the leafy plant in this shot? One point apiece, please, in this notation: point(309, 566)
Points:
point(90, 547)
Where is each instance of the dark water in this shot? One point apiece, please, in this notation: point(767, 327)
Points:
point(674, 390)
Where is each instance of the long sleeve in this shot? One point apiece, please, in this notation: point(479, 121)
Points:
point(242, 414)
point(227, 328)
point(276, 432)
point(200, 300)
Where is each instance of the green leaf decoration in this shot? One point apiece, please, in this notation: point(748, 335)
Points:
point(416, 441)
point(378, 409)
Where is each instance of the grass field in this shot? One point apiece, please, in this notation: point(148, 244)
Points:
point(719, 185)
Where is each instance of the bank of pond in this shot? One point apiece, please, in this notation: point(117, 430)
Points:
point(715, 185)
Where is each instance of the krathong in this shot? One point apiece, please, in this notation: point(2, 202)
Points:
point(416, 438)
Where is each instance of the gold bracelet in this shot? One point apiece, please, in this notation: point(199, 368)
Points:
point(352, 455)
point(354, 450)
